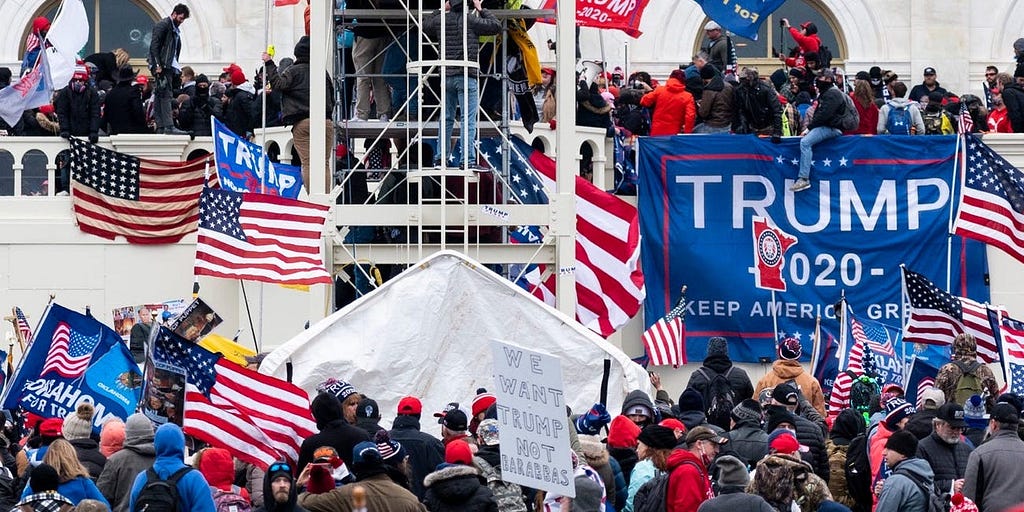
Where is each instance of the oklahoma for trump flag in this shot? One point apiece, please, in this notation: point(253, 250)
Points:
point(73, 359)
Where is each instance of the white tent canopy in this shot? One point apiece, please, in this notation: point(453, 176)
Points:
point(426, 333)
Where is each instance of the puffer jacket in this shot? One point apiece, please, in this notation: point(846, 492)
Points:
point(674, 109)
point(965, 350)
point(508, 495)
point(784, 370)
point(747, 442)
point(481, 23)
point(948, 461)
point(900, 493)
point(716, 104)
point(808, 489)
point(457, 488)
point(809, 434)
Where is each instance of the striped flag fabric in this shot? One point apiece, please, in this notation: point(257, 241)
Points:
point(937, 317)
point(1013, 353)
point(258, 418)
point(609, 281)
point(665, 341)
point(145, 201)
point(260, 237)
point(992, 200)
point(70, 352)
point(24, 330)
point(966, 123)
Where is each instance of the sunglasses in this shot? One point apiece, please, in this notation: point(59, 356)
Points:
point(990, 74)
point(279, 466)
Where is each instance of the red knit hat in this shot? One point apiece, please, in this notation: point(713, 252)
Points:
point(482, 401)
point(237, 77)
point(458, 452)
point(622, 433)
point(40, 24)
point(785, 443)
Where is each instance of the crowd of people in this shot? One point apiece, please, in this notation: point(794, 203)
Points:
point(725, 444)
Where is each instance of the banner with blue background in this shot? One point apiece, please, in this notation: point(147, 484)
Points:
point(239, 167)
point(876, 202)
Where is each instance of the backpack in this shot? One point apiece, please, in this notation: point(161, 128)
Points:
point(230, 501)
point(858, 473)
point(824, 57)
point(719, 398)
point(898, 121)
point(850, 119)
point(862, 388)
point(653, 495)
point(937, 123)
point(968, 384)
point(932, 502)
point(158, 495)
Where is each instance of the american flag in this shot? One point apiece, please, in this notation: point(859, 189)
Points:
point(70, 352)
point(665, 341)
point(966, 123)
point(23, 328)
point(937, 317)
point(992, 202)
point(870, 340)
point(261, 238)
point(609, 282)
point(1013, 353)
point(922, 377)
point(145, 201)
point(258, 418)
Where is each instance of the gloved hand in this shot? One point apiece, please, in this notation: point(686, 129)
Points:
point(776, 139)
point(594, 419)
point(65, 135)
point(94, 138)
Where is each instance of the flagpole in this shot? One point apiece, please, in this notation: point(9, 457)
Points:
point(255, 340)
point(21, 360)
point(815, 350)
point(775, 319)
point(949, 231)
point(843, 330)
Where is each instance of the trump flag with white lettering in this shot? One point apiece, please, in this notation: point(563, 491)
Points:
point(874, 203)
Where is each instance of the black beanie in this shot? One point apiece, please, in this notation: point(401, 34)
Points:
point(776, 414)
point(708, 72)
point(1019, 71)
point(657, 437)
point(44, 478)
point(903, 443)
point(691, 400)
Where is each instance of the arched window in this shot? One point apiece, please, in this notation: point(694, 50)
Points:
point(113, 24)
point(772, 38)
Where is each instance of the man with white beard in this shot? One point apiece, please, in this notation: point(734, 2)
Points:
point(945, 450)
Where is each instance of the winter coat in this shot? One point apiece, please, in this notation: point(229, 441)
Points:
point(756, 109)
point(747, 442)
point(718, 52)
point(900, 493)
point(88, 451)
point(621, 489)
point(119, 473)
point(876, 446)
point(688, 482)
point(627, 459)
point(508, 495)
point(293, 85)
point(808, 489)
point(948, 461)
point(481, 23)
point(810, 43)
point(674, 109)
point(251, 477)
point(920, 423)
point(193, 491)
point(238, 113)
point(334, 432)
point(123, 113)
point(868, 118)
point(194, 114)
point(809, 434)
point(78, 112)
point(965, 350)
point(837, 472)
point(164, 46)
point(739, 381)
point(597, 458)
point(425, 451)
point(827, 113)
point(381, 495)
point(643, 472)
point(735, 501)
point(915, 115)
point(921, 90)
point(993, 479)
point(716, 105)
point(75, 490)
point(592, 109)
point(784, 370)
point(1013, 98)
point(457, 488)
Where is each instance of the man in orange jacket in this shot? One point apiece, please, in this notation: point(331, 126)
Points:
point(674, 110)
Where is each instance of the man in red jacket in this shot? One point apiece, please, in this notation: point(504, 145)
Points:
point(674, 110)
point(688, 482)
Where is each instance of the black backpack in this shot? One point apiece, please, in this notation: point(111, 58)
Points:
point(719, 398)
point(653, 495)
point(159, 495)
point(932, 502)
point(824, 57)
point(858, 473)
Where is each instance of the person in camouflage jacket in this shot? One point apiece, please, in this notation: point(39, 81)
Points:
point(487, 459)
point(965, 350)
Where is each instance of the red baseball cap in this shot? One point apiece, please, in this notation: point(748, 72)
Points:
point(52, 427)
point(410, 405)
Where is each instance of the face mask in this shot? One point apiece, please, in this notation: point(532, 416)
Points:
point(78, 87)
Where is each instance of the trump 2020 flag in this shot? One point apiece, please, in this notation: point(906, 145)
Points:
point(75, 358)
point(239, 166)
point(256, 417)
point(743, 20)
point(260, 237)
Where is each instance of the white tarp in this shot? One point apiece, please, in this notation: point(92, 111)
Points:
point(427, 333)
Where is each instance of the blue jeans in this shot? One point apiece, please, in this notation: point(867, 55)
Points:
point(807, 143)
point(467, 99)
point(395, 60)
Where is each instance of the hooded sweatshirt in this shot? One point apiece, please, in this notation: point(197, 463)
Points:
point(784, 370)
point(218, 468)
point(900, 493)
point(334, 431)
point(271, 505)
point(193, 491)
point(136, 455)
point(915, 115)
point(639, 398)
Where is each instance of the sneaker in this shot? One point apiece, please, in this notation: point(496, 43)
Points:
point(800, 184)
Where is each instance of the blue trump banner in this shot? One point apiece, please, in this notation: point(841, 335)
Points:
point(239, 167)
point(741, 17)
point(876, 202)
point(72, 359)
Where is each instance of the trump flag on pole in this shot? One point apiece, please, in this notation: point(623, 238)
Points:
point(770, 245)
point(240, 166)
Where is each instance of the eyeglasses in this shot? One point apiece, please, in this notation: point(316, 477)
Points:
point(279, 466)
